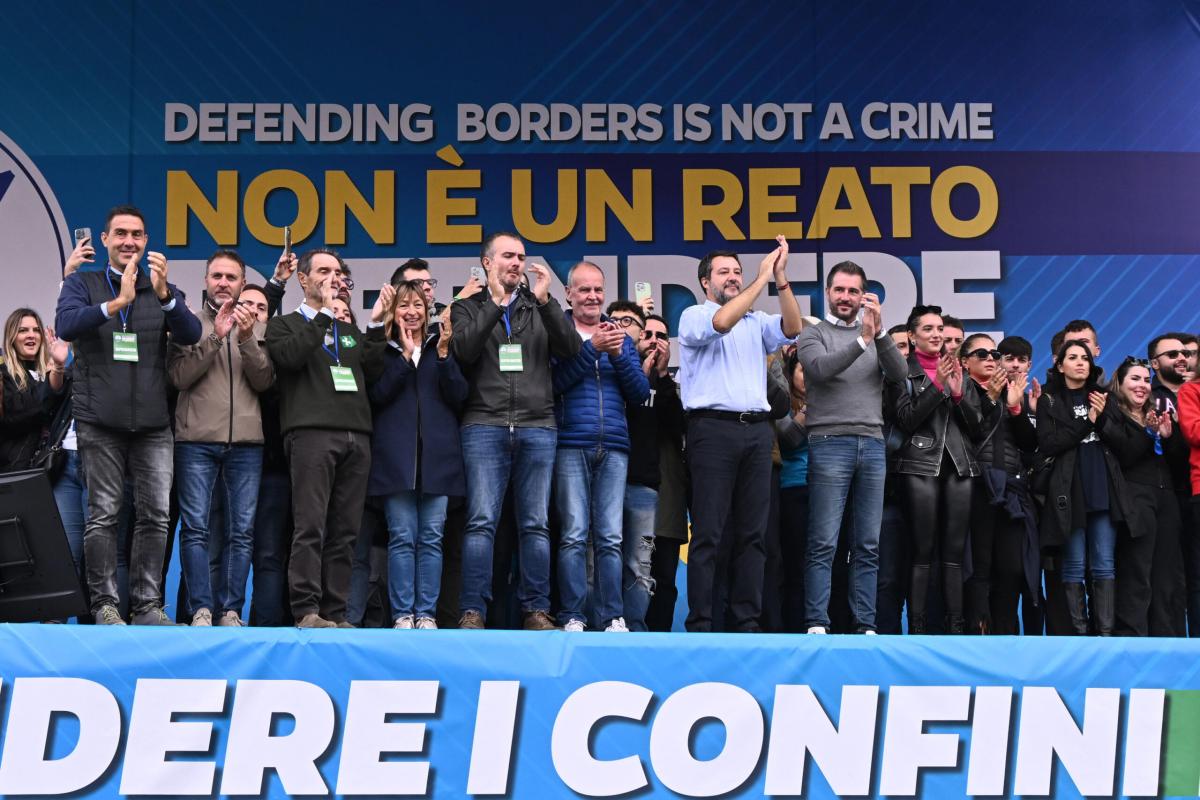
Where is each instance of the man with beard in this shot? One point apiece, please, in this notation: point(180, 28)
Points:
point(1173, 358)
point(723, 378)
point(845, 361)
point(504, 338)
point(219, 439)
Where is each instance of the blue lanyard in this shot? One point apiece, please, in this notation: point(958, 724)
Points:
point(336, 352)
point(124, 312)
point(507, 318)
point(1154, 434)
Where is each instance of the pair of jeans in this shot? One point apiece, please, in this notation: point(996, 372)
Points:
point(637, 551)
point(203, 470)
point(272, 540)
point(837, 464)
point(71, 498)
point(1094, 546)
point(105, 455)
point(590, 493)
point(493, 455)
point(414, 521)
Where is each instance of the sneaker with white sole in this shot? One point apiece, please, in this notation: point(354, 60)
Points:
point(152, 616)
point(817, 629)
point(573, 626)
point(231, 619)
point(109, 615)
point(202, 618)
point(404, 623)
point(617, 626)
point(426, 624)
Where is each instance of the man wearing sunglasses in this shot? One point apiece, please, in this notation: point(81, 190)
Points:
point(1173, 358)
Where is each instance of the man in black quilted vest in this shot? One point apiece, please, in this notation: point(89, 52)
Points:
point(119, 320)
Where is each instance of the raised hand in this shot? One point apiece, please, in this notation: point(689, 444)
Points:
point(244, 319)
point(158, 274)
point(407, 343)
point(128, 288)
point(83, 253)
point(541, 286)
point(447, 333)
point(59, 350)
point(1035, 392)
point(647, 305)
point(472, 288)
point(944, 368)
point(379, 311)
point(997, 384)
point(650, 361)
point(1165, 426)
point(1097, 401)
point(226, 319)
point(285, 267)
point(329, 292)
point(781, 257)
point(954, 380)
point(664, 356)
point(1016, 389)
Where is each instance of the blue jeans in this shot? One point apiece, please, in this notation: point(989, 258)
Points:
point(203, 469)
point(415, 522)
point(590, 491)
point(637, 546)
point(835, 464)
point(1099, 541)
point(272, 541)
point(70, 496)
point(493, 455)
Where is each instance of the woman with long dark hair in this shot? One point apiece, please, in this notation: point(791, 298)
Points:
point(1084, 486)
point(1142, 440)
point(32, 366)
point(935, 464)
point(416, 456)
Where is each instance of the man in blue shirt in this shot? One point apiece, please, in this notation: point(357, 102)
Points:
point(723, 346)
point(118, 321)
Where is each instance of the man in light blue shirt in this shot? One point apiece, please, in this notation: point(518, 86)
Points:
point(723, 379)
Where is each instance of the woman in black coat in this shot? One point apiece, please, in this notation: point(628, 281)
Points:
point(416, 457)
point(935, 464)
point(1085, 490)
point(1142, 441)
point(32, 389)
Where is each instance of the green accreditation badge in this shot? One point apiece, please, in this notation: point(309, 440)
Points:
point(510, 358)
point(124, 346)
point(343, 379)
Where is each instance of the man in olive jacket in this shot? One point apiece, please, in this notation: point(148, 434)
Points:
point(504, 336)
point(218, 435)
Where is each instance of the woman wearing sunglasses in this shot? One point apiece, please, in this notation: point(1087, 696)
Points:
point(1142, 441)
point(1004, 537)
point(1085, 488)
point(935, 464)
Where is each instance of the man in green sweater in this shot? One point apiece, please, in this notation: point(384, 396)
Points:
point(322, 369)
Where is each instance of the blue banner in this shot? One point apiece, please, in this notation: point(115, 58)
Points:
point(134, 712)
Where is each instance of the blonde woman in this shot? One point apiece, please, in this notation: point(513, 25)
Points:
point(32, 369)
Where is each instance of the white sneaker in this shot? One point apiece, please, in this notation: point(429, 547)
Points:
point(404, 623)
point(869, 633)
point(202, 618)
point(817, 629)
point(574, 626)
point(617, 626)
point(230, 619)
point(426, 624)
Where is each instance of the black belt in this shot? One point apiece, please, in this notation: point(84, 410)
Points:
point(744, 417)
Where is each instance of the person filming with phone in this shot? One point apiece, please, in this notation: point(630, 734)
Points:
point(504, 338)
point(120, 321)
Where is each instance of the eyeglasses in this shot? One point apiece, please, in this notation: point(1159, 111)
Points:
point(430, 282)
point(628, 322)
point(1135, 362)
point(348, 282)
point(662, 336)
point(983, 354)
point(1173, 354)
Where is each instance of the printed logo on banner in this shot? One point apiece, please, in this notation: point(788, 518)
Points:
point(34, 239)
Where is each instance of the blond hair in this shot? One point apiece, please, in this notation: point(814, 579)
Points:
point(16, 366)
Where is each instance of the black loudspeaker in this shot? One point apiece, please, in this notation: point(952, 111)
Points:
point(37, 576)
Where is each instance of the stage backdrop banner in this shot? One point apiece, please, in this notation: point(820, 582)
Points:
point(101, 713)
point(1020, 164)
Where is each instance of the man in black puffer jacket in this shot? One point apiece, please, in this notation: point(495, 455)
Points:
point(119, 321)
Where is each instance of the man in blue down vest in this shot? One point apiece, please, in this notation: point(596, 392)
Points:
point(118, 321)
point(591, 391)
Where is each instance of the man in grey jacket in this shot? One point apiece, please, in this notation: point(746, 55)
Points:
point(219, 439)
point(845, 362)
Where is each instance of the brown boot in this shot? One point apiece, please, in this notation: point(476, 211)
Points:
point(538, 621)
point(314, 621)
point(471, 621)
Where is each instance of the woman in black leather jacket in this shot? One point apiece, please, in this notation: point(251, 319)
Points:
point(935, 464)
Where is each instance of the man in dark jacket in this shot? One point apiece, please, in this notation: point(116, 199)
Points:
point(322, 368)
point(592, 390)
point(119, 321)
point(504, 337)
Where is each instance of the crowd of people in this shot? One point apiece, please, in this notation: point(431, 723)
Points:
point(501, 462)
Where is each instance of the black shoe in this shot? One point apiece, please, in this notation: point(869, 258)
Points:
point(918, 596)
point(1103, 606)
point(955, 625)
point(1076, 608)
